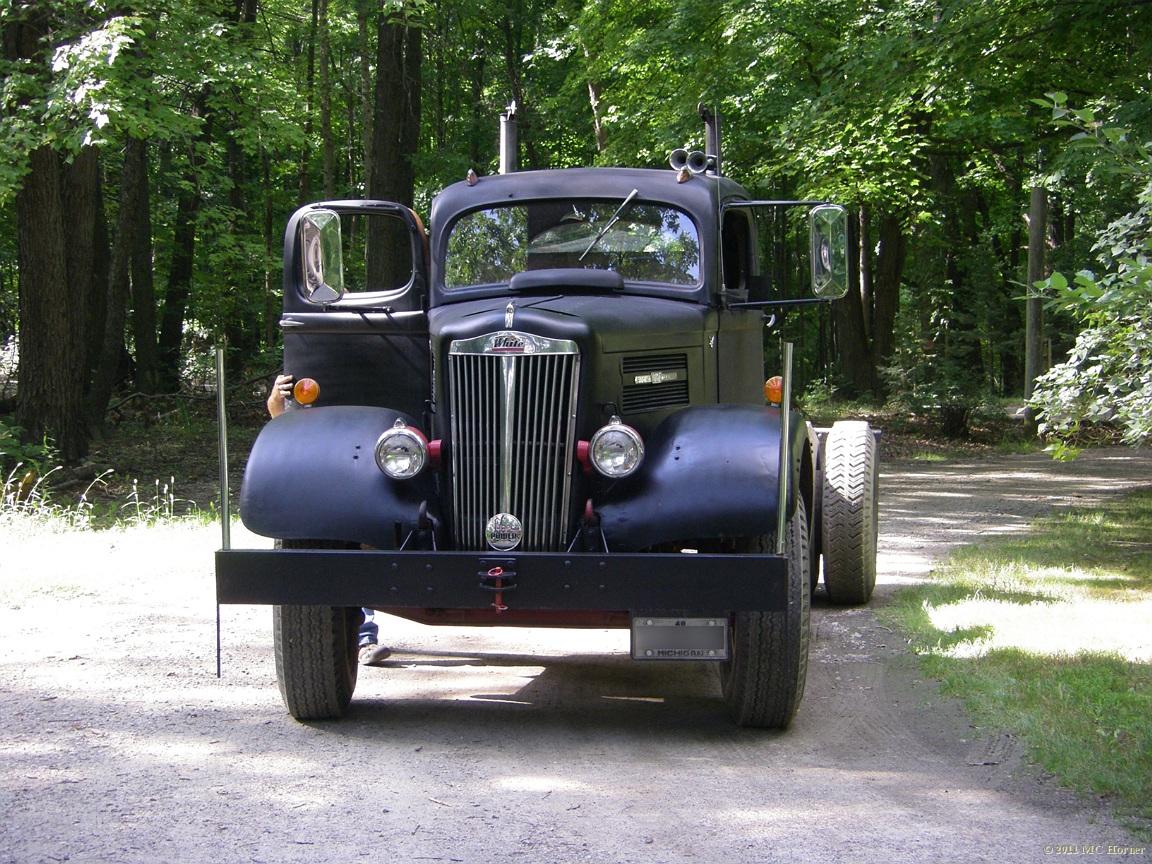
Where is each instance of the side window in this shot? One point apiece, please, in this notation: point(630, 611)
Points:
point(355, 255)
point(377, 253)
point(736, 250)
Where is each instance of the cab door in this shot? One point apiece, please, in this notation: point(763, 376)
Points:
point(740, 331)
point(355, 304)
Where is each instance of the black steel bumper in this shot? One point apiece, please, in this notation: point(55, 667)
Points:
point(527, 581)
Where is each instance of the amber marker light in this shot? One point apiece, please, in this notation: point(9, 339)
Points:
point(774, 389)
point(306, 391)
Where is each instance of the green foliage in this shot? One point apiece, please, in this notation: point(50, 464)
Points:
point(921, 114)
point(15, 452)
point(67, 97)
point(933, 382)
point(1107, 376)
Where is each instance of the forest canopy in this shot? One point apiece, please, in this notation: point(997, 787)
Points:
point(151, 152)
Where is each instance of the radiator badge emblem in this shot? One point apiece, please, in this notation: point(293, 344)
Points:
point(509, 343)
point(504, 532)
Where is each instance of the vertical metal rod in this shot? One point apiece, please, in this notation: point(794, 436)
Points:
point(225, 507)
point(222, 428)
point(785, 451)
point(508, 142)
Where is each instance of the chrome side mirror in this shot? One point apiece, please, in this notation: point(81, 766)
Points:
point(322, 256)
point(828, 234)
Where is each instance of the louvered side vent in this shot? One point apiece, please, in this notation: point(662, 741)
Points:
point(655, 382)
point(513, 415)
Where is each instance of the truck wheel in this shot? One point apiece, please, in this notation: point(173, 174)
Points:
point(315, 658)
point(763, 679)
point(849, 512)
point(316, 648)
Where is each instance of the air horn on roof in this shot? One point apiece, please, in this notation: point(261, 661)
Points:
point(695, 161)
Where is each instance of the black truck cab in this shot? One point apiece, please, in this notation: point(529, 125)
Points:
point(550, 410)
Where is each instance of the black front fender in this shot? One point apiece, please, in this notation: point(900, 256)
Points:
point(709, 472)
point(312, 475)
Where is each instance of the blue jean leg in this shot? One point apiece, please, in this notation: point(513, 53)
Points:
point(369, 630)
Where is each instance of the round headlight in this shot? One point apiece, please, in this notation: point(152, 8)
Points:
point(402, 452)
point(616, 450)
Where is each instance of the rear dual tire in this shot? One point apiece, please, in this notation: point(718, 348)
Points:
point(849, 512)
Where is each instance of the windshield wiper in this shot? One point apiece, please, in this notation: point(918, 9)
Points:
point(608, 225)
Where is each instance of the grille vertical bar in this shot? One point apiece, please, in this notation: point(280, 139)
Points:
point(512, 404)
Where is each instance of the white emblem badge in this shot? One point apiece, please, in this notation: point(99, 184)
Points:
point(503, 532)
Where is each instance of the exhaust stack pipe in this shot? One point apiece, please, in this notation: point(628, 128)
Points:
point(688, 162)
point(711, 136)
point(508, 142)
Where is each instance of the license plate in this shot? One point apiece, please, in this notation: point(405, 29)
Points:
point(703, 638)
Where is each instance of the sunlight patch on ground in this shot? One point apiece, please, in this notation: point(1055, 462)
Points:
point(473, 682)
point(525, 783)
point(1049, 628)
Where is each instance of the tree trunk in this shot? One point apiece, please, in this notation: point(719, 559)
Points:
point(413, 85)
point(367, 95)
point(179, 285)
point(889, 273)
point(51, 374)
point(243, 326)
point(865, 249)
point(852, 345)
point(304, 173)
point(58, 210)
point(959, 371)
point(272, 302)
point(327, 144)
point(397, 127)
point(1034, 328)
point(143, 287)
point(132, 202)
point(599, 133)
point(476, 130)
point(243, 332)
point(87, 249)
point(852, 348)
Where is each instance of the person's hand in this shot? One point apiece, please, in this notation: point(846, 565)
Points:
point(278, 398)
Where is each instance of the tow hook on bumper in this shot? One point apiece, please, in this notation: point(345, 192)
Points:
point(500, 576)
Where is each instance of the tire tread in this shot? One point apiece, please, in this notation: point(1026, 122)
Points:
point(849, 530)
point(763, 680)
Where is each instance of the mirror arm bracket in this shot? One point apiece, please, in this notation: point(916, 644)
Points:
point(778, 304)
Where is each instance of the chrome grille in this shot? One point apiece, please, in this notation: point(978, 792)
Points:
point(512, 404)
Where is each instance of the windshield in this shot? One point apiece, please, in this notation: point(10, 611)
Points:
point(646, 243)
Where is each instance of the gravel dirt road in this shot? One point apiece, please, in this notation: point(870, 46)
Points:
point(119, 744)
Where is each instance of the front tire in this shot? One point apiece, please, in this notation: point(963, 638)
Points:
point(763, 679)
point(849, 512)
point(316, 656)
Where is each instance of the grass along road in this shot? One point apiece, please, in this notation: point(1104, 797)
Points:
point(1048, 634)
